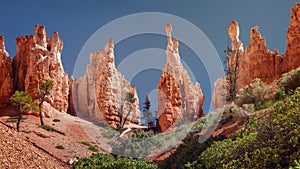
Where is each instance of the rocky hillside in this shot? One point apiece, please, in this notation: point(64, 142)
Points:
point(18, 152)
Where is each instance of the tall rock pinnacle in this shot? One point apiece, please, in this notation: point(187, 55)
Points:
point(39, 58)
point(178, 97)
point(101, 93)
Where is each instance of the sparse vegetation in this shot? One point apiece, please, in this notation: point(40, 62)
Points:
point(43, 91)
point(60, 147)
point(129, 100)
point(45, 127)
point(253, 94)
point(104, 161)
point(15, 118)
point(290, 80)
point(90, 147)
point(280, 93)
point(272, 142)
point(24, 103)
point(56, 120)
point(137, 146)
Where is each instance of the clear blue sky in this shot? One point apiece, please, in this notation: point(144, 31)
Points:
point(77, 20)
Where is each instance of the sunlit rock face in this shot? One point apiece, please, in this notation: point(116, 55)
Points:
point(178, 97)
point(100, 95)
point(6, 78)
point(257, 61)
point(291, 59)
point(38, 58)
point(220, 93)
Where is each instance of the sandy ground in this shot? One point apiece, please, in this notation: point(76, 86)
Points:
point(32, 136)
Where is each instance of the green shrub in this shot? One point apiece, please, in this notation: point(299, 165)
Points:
point(138, 145)
point(60, 147)
point(290, 80)
point(280, 93)
point(254, 93)
point(15, 118)
point(104, 161)
point(248, 107)
point(45, 127)
point(264, 104)
point(56, 120)
point(296, 165)
point(85, 143)
point(273, 142)
point(91, 147)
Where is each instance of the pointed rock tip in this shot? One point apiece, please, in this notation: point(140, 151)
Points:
point(254, 29)
point(168, 28)
point(39, 29)
point(234, 30)
point(55, 34)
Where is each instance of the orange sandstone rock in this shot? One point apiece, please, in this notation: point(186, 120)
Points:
point(6, 78)
point(39, 58)
point(178, 97)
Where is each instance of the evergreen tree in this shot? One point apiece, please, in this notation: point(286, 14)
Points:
point(147, 115)
point(44, 90)
point(24, 103)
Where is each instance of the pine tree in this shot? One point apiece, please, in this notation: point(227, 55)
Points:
point(24, 103)
point(147, 115)
point(44, 90)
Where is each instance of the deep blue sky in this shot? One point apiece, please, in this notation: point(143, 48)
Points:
point(77, 20)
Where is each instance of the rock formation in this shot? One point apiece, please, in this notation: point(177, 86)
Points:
point(257, 61)
point(100, 95)
point(220, 93)
point(178, 97)
point(6, 78)
point(38, 58)
point(291, 59)
point(71, 108)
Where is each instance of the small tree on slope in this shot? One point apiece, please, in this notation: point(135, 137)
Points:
point(44, 90)
point(24, 103)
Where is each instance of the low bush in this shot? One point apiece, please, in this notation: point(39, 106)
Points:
point(60, 147)
point(290, 80)
point(56, 120)
point(45, 127)
point(91, 147)
point(104, 161)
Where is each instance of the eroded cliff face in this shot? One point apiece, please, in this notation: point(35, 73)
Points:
point(38, 58)
point(178, 97)
point(257, 61)
point(71, 109)
point(291, 59)
point(220, 93)
point(6, 78)
point(100, 95)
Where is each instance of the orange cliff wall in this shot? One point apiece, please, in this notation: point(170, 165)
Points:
point(6, 78)
point(257, 61)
